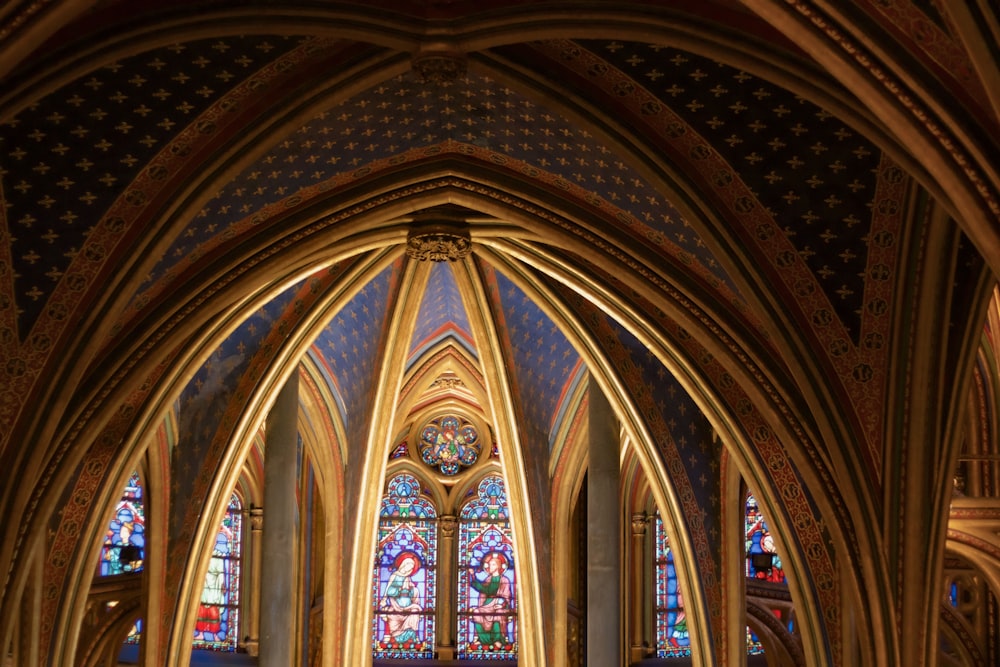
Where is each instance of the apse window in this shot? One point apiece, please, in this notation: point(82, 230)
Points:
point(405, 572)
point(487, 608)
point(125, 538)
point(216, 626)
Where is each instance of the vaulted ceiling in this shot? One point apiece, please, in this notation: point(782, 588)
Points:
point(155, 157)
point(738, 178)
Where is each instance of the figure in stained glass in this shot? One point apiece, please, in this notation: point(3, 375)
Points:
point(403, 585)
point(487, 608)
point(402, 598)
point(218, 612)
point(214, 594)
point(490, 617)
point(125, 540)
point(679, 636)
point(673, 639)
point(763, 560)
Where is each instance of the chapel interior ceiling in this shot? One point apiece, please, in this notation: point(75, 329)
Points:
point(144, 171)
point(231, 136)
point(69, 139)
point(165, 95)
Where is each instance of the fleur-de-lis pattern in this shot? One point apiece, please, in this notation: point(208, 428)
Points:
point(66, 157)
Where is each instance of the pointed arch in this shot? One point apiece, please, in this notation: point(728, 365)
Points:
point(487, 575)
point(392, 233)
point(404, 581)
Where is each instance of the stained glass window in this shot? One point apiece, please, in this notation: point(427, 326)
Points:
point(134, 633)
point(763, 561)
point(754, 645)
point(125, 540)
point(136, 630)
point(217, 624)
point(487, 609)
point(672, 637)
point(401, 450)
point(449, 443)
point(403, 585)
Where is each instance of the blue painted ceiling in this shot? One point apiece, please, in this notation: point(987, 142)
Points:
point(442, 314)
point(399, 115)
point(75, 151)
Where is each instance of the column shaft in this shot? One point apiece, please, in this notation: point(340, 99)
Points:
point(277, 599)
point(447, 557)
point(638, 586)
point(604, 629)
point(255, 555)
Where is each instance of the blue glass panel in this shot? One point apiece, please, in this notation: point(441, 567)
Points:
point(134, 633)
point(216, 626)
point(126, 529)
point(404, 578)
point(760, 541)
point(672, 637)
point(487, 609)
point(402, 450)
point(754, 647)
point(403, 500)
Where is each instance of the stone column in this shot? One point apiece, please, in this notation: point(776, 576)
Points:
point(637, 579)
point(277, 598)
point(604, 628)
point(256, 554)
point(447, 559)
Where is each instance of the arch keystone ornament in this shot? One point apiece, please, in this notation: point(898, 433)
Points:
point(438, 238)
point(438, 66)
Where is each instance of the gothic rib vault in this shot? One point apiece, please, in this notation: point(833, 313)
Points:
point(756, 237)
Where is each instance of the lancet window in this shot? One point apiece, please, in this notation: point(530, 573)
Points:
point(487, 626)
point(124, 545)
point(404, 579)
point(123, 551)
point(763, 563)
point(763, 560)
point(217, 623)
point(444, 580)
point(672, 638)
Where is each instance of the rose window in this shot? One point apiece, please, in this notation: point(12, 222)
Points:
point(449, 443)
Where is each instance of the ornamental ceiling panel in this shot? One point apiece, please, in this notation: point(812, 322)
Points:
point(442, 314)
point(834, 199)
point(206, 395)
point(401, 114)
point(351, 345)
point(812, 174)
point(545, 364)
point(66, 157)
